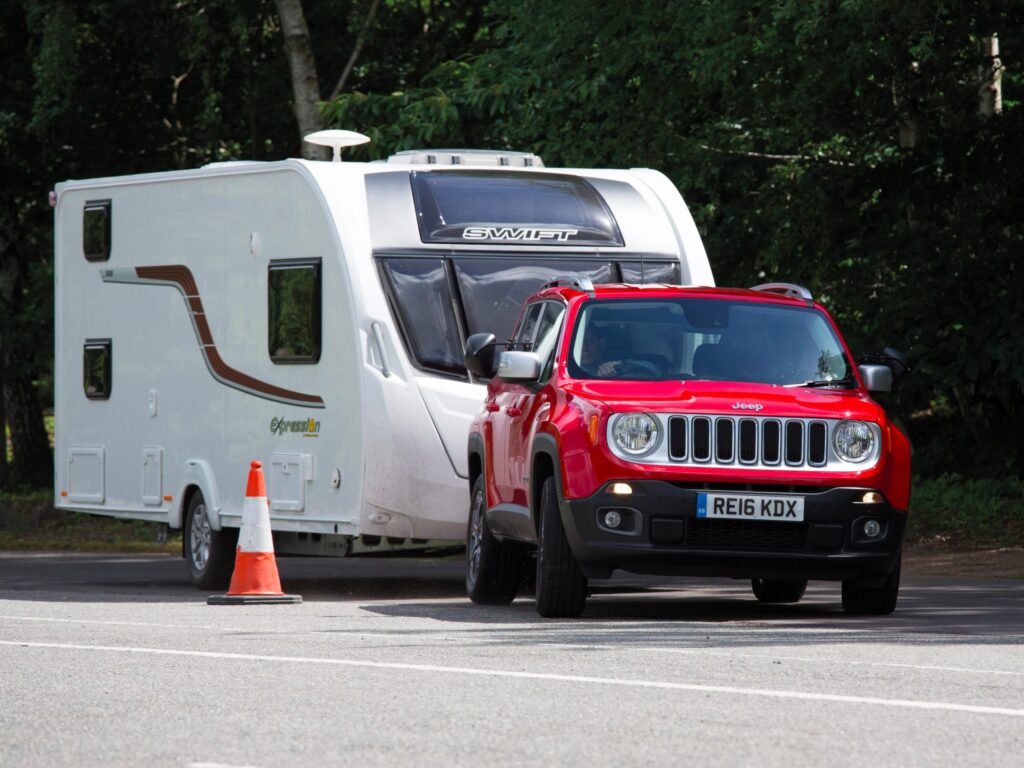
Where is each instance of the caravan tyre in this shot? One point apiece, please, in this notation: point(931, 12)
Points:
point(494, 570)
point(210, 554)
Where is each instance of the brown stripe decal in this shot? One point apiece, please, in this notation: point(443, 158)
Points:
point(180, 277)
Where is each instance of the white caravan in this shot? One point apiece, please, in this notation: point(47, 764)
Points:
point(312, 315)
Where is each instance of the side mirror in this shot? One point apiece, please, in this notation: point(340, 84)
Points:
point(889, 358)
point(877, 378)
point(897, 364)
point(479, 354)
point(519, 366)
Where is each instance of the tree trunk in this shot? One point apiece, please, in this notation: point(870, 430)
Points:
point(3, 435)
point(305, 83)
point(33, 461)
point(990, 78)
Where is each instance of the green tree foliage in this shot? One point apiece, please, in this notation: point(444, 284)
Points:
point(831, 142)
point(836, 144)
point(108, 87)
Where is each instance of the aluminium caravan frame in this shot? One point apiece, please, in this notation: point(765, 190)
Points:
point(313, 315)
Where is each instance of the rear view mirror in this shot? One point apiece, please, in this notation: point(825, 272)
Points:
point(897, 364)
point(479, 354)
point(877, 378)
point(519, 366)
point(892, 361)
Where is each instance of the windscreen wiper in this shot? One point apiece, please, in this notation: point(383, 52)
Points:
point(848, 381)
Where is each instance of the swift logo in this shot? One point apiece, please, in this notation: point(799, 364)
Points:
point(527, 234)
point(747, 406)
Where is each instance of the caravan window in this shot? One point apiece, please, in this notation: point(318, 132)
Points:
point(294, 310)
point(511, 208)
point(96, 369)
point(494, 290)
point(422, 295)
point(649, 272)
point(96, 230)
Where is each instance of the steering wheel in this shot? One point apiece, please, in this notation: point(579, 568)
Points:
point(633, 365)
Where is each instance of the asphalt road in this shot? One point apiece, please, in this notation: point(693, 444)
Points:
point(115, 660)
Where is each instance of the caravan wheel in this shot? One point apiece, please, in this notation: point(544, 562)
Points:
point(210, 554)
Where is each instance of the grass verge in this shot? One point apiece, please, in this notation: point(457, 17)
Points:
point(967, 512)
point(28, 528)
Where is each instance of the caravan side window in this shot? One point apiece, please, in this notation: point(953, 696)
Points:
point(96, 230)
point(294, 295)
point(96, 368)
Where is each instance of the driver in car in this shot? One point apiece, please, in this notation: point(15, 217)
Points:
point(594, 354)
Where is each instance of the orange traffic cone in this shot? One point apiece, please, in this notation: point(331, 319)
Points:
point(255, 578)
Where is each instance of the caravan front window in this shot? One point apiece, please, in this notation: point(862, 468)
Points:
point(422, 296)
point(494, 290)
point(439, 302)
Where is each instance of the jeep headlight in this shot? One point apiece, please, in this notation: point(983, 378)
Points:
point(635, 433)
point(853, 440)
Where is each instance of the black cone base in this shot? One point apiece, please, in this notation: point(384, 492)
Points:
point(253, 599)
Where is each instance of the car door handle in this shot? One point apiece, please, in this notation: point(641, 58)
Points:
point(513, 410)
point(492, 407)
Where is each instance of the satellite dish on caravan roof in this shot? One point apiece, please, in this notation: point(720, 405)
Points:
point(336, 140)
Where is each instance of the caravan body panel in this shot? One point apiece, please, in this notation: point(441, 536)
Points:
point(367, 436)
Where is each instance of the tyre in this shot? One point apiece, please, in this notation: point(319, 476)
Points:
point(561, 586)
point(873, 601)
point(779, 590)
point(209, 554)
point(494, 570)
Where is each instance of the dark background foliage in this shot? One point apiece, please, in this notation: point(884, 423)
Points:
point(834, 144)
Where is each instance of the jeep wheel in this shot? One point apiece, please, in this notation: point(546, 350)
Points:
point(873, 601)
point(561, 586)
point(494, 570)
point(779, 590)
point(210, 554)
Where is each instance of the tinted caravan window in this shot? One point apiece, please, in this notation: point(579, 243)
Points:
point(96, 230)
point(494, 290)
point(420, 292)
point(294, 311)
point(649, 272)
point(511, 208)
point(96, 369)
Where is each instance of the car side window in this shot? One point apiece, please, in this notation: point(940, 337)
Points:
point(524, 334)
point(546, 338)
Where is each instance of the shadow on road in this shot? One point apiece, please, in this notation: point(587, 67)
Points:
point(930, 610)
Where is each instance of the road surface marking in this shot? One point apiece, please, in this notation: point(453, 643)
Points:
point(406, 635)
point(627, 683)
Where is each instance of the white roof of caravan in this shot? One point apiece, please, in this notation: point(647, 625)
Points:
point(648, 209)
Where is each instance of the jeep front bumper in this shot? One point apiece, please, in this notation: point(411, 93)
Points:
point(661, 533)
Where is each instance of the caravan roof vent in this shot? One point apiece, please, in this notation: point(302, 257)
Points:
point(336, 140)
point(467, 157)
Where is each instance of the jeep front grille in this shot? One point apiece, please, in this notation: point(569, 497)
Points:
point(751, 441)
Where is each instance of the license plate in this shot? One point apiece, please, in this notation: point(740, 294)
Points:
point(777, 509)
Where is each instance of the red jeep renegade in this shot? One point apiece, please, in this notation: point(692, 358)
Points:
point(692, 431)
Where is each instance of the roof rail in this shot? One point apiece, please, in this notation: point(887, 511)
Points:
point(468, 157)
point(579, 283)
point(791, 290)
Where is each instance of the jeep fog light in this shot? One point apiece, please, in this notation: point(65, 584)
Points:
point(635, 433)
point(872, 528)
point(612, 519)
point(853, 440)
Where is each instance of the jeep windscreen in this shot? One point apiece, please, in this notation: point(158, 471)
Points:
point(707, 339)
point(440, 301)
